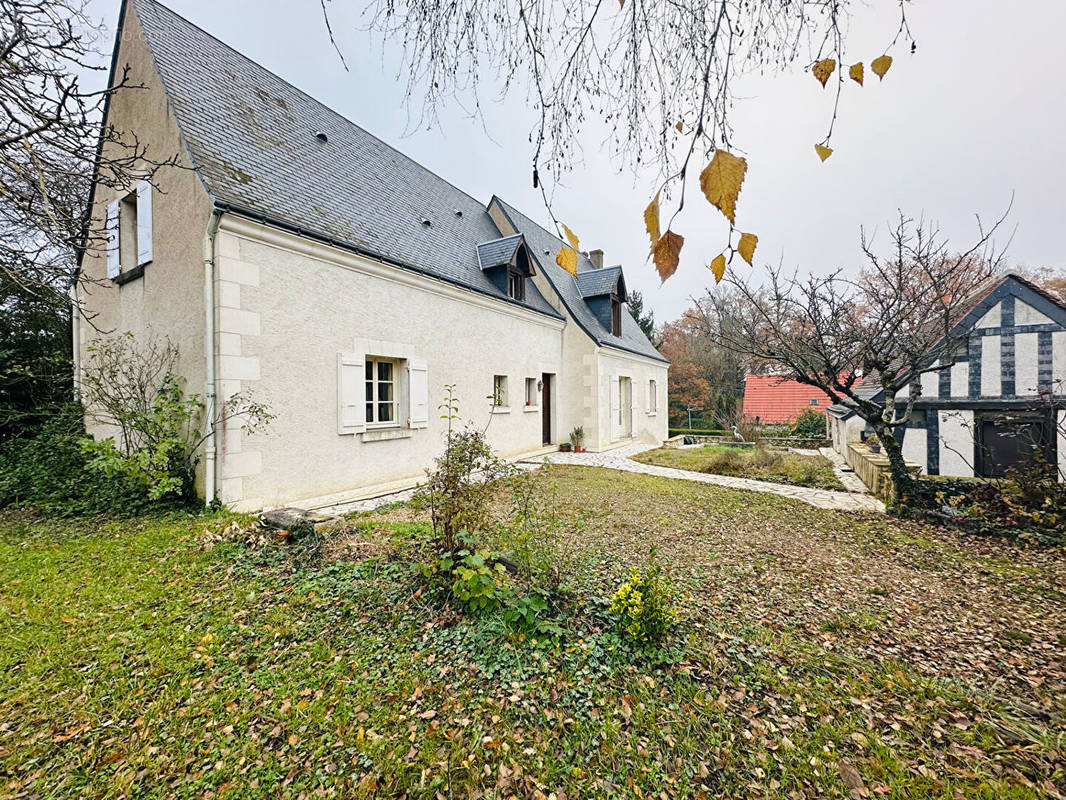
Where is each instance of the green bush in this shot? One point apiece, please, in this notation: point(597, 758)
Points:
point(809, 425)
point(476, 585)
point(163, 464)
point(643, 605)
point(51, 471)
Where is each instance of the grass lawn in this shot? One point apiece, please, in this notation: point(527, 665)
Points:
point(820, 654)
point(759, 463)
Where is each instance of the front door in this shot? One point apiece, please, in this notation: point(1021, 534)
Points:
point(546, 408)
point(625, 407)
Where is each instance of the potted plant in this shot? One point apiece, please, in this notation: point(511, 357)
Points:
point(564, 447)
point(577, 439)
point(873, 443)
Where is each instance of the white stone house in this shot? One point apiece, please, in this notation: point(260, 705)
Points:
point(1001, 395)
point(295, 256)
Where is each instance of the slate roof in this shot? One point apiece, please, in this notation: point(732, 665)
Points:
point(499, 251)
point(253, 140)
point(543, 247)
point(772, 398)
point(598, 282)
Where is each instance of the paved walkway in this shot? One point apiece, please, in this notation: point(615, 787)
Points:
point(845, 474)
point(620, 459)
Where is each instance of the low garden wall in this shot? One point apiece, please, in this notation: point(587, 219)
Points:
point(873, 469)
point(788, 441)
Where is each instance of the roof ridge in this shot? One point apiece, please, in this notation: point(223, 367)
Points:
point(297, 89)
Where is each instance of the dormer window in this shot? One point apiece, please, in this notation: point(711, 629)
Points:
point(616, 316)
point(516, 285)
point(507, 263)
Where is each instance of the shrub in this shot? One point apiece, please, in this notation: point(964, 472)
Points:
point(130, 386)
point(477, 585)
point(809, 425)
point(163, 461)
point(643, 605)
point(50, 471)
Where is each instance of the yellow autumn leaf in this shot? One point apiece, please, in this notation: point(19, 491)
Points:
point(718, 267)
point(721, 180)
point(855, 73)
point(746, 246)
point(572, 237)
point(567, 259)
point(823, 69)
point(823, 151)
point(880, 65)
point(651, 219)
point(667, 254)
point(680, 126)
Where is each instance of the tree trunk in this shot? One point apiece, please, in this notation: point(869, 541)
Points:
point(901, 478)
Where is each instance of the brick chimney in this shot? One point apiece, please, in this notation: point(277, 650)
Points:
point(596, 257)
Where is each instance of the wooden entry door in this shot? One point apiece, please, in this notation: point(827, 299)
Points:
point(546, 408)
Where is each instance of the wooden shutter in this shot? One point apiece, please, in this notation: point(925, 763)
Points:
point(615, 428)
point(418, 393)
point(111, 227)
point(632, 409)
point(144, 222)
point(351, 394)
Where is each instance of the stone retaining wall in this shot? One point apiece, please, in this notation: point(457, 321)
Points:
point(873, 469)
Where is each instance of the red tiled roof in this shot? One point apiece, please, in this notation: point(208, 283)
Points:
point(774, 399)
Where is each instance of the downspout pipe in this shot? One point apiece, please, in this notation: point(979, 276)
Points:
point(75, 335)
point(210, 396)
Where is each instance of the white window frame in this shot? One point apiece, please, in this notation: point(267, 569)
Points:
point(653, 396)
point(532, 395)
point(371, 401)
point(499, 394)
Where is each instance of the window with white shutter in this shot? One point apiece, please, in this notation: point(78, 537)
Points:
point(113, 262)
point(418, 392)
point(350, 394)
point(144, 222)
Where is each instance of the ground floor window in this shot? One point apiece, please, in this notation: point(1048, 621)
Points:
point(531, 391)
point(499, 390)
point(653, 397)
point(382, 395)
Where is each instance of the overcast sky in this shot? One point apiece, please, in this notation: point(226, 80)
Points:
point(978, 113)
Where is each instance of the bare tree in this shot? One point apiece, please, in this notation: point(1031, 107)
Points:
point(53, 143)
point(659, 75)
point(866, 341)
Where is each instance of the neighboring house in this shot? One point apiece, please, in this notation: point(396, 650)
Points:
point(1003, 395)
point(770, 399)
point(299, 258)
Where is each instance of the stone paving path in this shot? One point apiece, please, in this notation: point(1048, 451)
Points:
point(856, 499)
point(845, 474)
point(620, 459)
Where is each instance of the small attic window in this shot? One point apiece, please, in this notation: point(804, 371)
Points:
point(321, 136)
point(616, 317)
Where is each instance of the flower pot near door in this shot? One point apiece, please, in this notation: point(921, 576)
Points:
point(564, 447)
